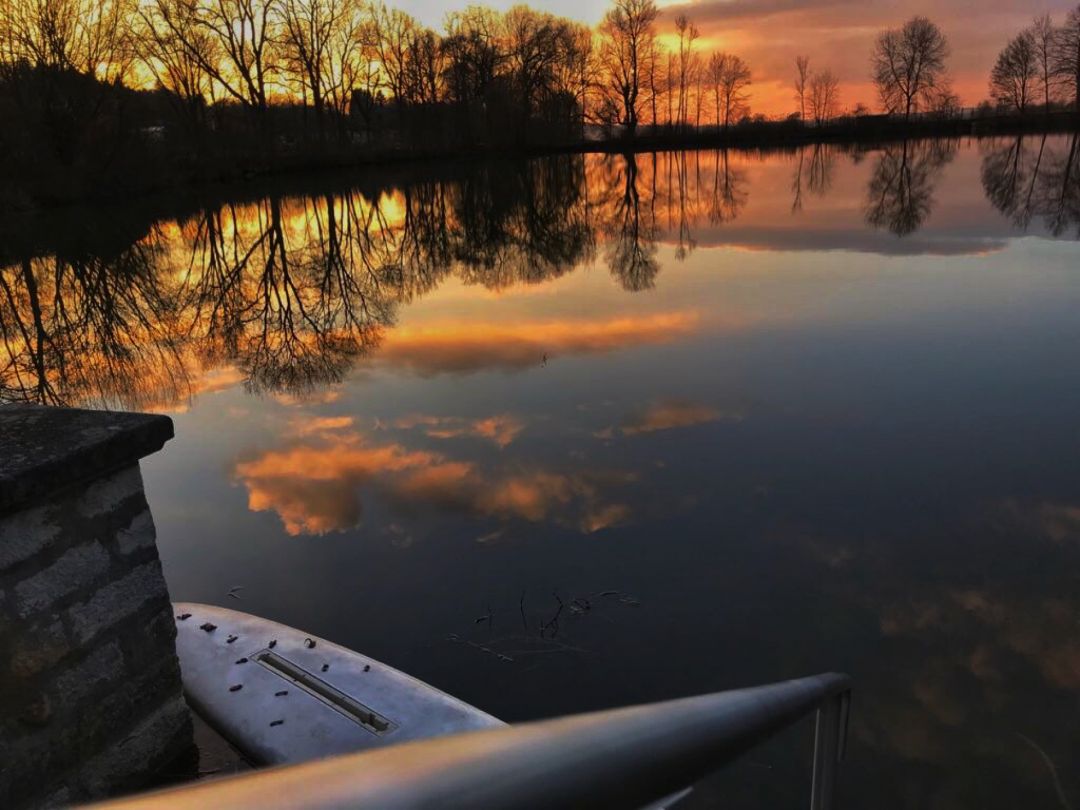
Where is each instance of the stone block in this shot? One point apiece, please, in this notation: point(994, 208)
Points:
point(105, 495)
point(86, 678)
point(117, 600)
point(157, 632)
point(38, 649)
point(77, 568)
point(46, 450)
point(139, 534)
point(164, 733)
point(90, 693)
point(58, 798)
point(25, 534)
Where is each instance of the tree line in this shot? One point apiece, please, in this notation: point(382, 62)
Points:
point(1040, 66)
point(118, 93)
point(356, 68)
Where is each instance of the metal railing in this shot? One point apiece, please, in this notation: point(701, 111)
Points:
point(626, 757)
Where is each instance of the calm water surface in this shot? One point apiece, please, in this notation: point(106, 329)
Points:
point(581, 432)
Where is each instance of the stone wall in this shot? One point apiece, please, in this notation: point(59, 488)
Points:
point(90, 697)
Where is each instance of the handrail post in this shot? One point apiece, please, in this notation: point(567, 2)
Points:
point(830, 739)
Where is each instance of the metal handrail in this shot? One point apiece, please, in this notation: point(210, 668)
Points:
point(619, 758)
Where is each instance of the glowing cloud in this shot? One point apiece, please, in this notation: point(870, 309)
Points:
point(668, 415)
point(314, 488)
point(500, 429)
point(463, 348)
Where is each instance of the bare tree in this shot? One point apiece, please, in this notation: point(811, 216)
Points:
point(715, 74)
point(732, 78)
point(628, 31)
point(391, 39)
point(688, 33)
point(824, 96)
point(175, 49)
point(655, 67)
point(536, 45)
point(669, 87)
point(1067, 56)
point(909, 67)
point(245, 32)
point(321, 48)
point(1016, 72)
point(802, 83)
point(92, 37)
point(472, 54)
point(1044, 38)
point(577, 70)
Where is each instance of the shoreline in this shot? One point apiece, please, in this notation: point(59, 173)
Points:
point(245, 173)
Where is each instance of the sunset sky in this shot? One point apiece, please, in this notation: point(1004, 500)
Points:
point(834, 33)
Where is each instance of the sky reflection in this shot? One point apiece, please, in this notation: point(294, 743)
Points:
point(648, 429)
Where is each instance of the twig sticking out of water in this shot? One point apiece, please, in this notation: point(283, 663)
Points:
point(1053, 770)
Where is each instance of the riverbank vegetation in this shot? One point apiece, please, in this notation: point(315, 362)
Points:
point(108, 98)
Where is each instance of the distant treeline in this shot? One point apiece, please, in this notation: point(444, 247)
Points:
point(105, 98)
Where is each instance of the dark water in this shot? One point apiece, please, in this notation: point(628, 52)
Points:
point(645, 429)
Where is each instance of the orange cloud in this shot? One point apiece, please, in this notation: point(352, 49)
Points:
point(469, 347)
point(667, 415)
point(839, 35)
point(673, 414)
point(319, 425)
point(500, 429)
point(314, 488)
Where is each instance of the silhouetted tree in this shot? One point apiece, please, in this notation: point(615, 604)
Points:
point(687, 64)
point(322, 52)
point(1015, 74)
point(245, 32)
point(1044, 39)
point(802, 83)
point(91, 37)
point(909, 67)
point(176, 50)
point(628, 31)
point(824, 96)
point(1067, 56)
point(729, 76)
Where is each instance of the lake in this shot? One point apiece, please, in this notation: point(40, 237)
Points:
point(582, 431)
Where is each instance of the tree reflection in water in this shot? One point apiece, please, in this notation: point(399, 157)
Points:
point(630, 229)
point(1027, 177)
point(901, 190)
point(291, 292)
point(288, 293)
point(90, 328)
point(818, 172)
